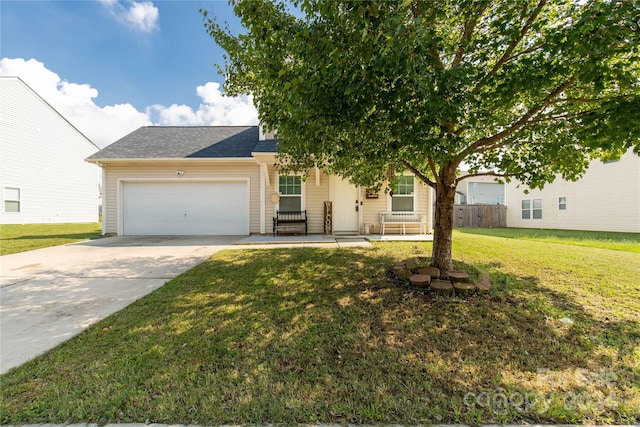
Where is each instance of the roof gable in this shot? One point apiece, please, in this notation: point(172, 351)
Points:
point(13, 87)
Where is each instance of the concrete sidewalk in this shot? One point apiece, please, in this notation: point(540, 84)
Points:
point(262, 241)
point(267, 241)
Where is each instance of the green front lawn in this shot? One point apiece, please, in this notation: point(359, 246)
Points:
point(16, 238)
point(320, 335)
point(629, 242)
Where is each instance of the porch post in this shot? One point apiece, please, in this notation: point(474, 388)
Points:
point(263, 172)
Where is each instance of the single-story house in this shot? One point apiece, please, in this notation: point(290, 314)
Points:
point(606, 198)
point(222, 180)
point(43, 175)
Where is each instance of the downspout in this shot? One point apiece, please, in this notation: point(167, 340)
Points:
point(103, 208)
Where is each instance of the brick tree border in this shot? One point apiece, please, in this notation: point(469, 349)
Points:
point(412, 274)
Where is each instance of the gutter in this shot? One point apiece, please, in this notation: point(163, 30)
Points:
point(102, 161)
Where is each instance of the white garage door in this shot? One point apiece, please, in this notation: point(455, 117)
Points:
point(185, 208)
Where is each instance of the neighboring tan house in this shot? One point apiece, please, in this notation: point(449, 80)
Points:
point(606, 198)
point(221, 180)
point(43, 175)
point(479, 190)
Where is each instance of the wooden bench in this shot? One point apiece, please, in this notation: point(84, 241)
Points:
point(401, 220)
point(290, 221)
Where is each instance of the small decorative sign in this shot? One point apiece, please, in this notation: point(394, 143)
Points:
point(371, 194)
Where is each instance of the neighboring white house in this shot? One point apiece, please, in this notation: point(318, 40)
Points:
point(479, 190)
point(606, 198)
point(43, 175)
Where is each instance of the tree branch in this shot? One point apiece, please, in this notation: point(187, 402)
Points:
point(522, 121)
point(467, 31)
point(538, 119)
point(433, 51)
point(432, 166)
point(507, 54)
point(473, 175)
point(587, 100)
point(524, 52)
point(419, 174)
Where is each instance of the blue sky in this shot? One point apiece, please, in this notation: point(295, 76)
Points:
point(142, 62)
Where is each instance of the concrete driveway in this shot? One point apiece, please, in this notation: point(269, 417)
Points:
point(49, 295)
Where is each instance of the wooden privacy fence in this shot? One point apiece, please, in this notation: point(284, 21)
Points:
point(480, 216)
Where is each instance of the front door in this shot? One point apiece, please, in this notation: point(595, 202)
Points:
point(345, 198)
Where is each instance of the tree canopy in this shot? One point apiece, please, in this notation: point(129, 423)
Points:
point(523, 89)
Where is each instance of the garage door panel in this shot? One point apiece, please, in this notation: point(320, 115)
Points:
point(200, 208)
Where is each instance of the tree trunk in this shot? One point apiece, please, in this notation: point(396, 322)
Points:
point(443, 226)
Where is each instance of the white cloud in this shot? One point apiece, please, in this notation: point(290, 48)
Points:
point(216, 110)
point(141, 16)
point(104, 125)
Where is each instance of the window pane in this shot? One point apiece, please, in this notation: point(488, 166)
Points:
point(403, 185)
point(290, 184)
point(537, 214)
point(402, 203)
point(11, 193)
point(290, 204)
point(526, 204)
point(11, 206)
point(562, 203)
point(537, 203)
point(526, 214)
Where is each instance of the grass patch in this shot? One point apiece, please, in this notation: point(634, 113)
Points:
point(16, 238)
point(629, 242)
point(319, 335)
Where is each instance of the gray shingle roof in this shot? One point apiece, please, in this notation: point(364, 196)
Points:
point(181, 142)
point(267, 146)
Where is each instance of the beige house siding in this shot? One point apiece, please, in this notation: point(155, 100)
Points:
point(270, 206)
point(117, 172)
point(315, 193)
point(607, 198)
point(314, 198)
point(373, 207)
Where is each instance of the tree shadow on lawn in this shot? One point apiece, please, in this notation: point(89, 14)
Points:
point(320, 335)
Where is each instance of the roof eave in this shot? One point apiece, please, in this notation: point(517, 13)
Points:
point(171, 159)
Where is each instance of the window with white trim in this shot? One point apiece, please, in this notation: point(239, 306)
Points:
point(537, 209)
point(532, 209)
point(526, 209)
point(403, 198)
point(290, 190)
point(562, 203)
point(11, 200)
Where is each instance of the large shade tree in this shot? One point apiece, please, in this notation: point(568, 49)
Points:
point(523, 89)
